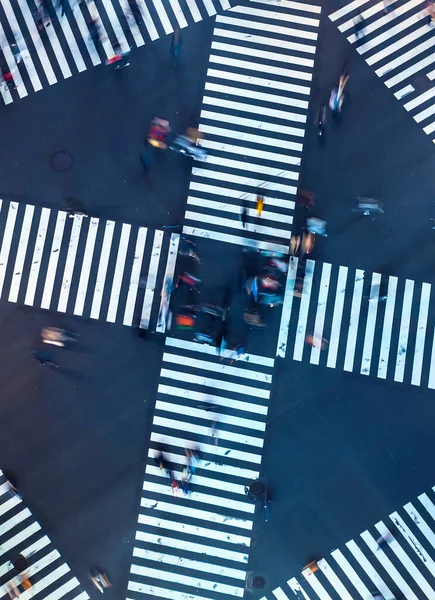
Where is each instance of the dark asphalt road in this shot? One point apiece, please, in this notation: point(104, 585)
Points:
point(340, 450)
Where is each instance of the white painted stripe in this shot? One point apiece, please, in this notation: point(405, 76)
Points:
point(217, 368)
point(269, 27)
point(37, 257)
point(291, 5)
point(405, 57)
point(296, 588)
point(195, 513)
point(21, 253)
point(135, 276)
point(421, 523)
point(237, 224)
point(168, 282)
point(404, 331)
point(254, 123)
point(289, 17)
point(201, 380)
point(342, 12)
point(84, 32)
point(425, 114)
point(249, 65)
point(405, 560)
point(188, 529)
point(320, 313)
point(408, 89)
point(370, 324)
point(428, 504)
point(21, 44)
point(250, 197)
point(36, 546)
point(151, 280)
point(235, 209)
point(415, 68)
point(250, 167)
point(303, 310)
point(19, 538)
point(369, 570)
point(250, 38)
point(429, 128)
point(8, 505)
point(267, 111)
point(354, 320)
point(149, 23)
point(333, 579)
point(225, 4)
point(46, 581)
point(12, 65)
point(281, 347)
point(135, 31)
point(389, 32)
point(209, 7)
point(396, 46)
point(86, 266)
point(116, 25)
point(431, 382)
point(104, 37)
point(42, 54)
point(189, 580)
point(118, 274)
point(69, 263)
point(256, 95)
point(233, 239)
point(193, 346)
point(279, 594)
point(153, 590)
point(178, 561)
point(54, 259)
point(6, 95)
point(102, 270)
point(57, 50)
point(316, 585)
point(208, 466)
point(284, 86)
point(72, 44)
point(15, 520)
point(388, 566)
point(387, 328)
point(164, 20)
point(351, 574)
point(418, 548)
point(214, 450)
point(186, 426)
point(421, 334)
point(199, 397)
point(64, 589)
point(366, 14)
point(250, 137)
point(7, 240)
point(267, 55)
point(181, 20)
point(194, 11)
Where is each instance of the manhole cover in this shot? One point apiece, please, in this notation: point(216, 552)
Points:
point(257, 488)
point(258, 582)
point(60, 161)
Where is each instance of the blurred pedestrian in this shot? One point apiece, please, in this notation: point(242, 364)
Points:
point(244, 215)
point(176, 43)
point(45, 358)
point(359, 25)
point(120, 58)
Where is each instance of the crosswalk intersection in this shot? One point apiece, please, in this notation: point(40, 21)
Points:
point(253, 119)
point(376, 325)
point(395, 558)
point(196, 546)
point(21, 536)
point(83, 266)
point(37, 58)
point(397, 41)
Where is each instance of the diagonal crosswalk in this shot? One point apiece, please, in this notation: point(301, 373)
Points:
point(22, 537)
point(40, 57)
point(394, 559)
point(83, 266)
point(253, 119)
point(196, 546)
point(376, 325)
point(399, 45)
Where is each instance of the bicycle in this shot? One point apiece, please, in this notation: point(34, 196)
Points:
point(368, 206)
